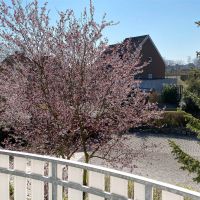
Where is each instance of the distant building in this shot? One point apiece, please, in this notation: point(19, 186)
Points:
point(153, 75)
point(156, 67)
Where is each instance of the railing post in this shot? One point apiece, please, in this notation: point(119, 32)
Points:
point(148, 192)
point(54, 178)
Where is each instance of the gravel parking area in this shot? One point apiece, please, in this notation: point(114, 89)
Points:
point(158, 162)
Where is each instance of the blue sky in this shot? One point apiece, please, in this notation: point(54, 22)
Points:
point(170, 23)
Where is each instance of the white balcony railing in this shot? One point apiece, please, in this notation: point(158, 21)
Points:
point(37, 177)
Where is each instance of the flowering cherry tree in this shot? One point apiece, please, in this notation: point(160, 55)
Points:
point(63, 89)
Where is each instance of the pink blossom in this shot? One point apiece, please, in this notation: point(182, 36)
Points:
point(65, 89)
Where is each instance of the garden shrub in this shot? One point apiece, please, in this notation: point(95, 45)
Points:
point(157, 194)
point(193, 124)
point(172, 119)
point(178, 119)
point(130, 189)
point(154, 97)
point(184, 77)
point(107, 183)
point(190, 102)
point(11, 191)
point(170, 94)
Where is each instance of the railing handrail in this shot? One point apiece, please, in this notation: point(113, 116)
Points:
point(107, 171)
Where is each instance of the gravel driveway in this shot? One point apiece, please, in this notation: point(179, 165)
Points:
point(158, 162)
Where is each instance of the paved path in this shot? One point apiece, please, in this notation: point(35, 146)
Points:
point(158, 162)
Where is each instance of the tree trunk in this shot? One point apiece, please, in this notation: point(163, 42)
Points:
point(85, 175)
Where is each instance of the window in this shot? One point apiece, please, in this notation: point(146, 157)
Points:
point(150, 76)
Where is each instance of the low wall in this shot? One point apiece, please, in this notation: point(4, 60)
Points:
point(156, 84)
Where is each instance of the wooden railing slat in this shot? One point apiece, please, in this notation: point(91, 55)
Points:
point(75, 175)
point(96, 180)
point(171, 196)
point(37, 187)
point(4, 178)
point(20, 182)
point(118, 180)
point(60, 176)
point(142, 192)
point(119, 186)
point(50, 185)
